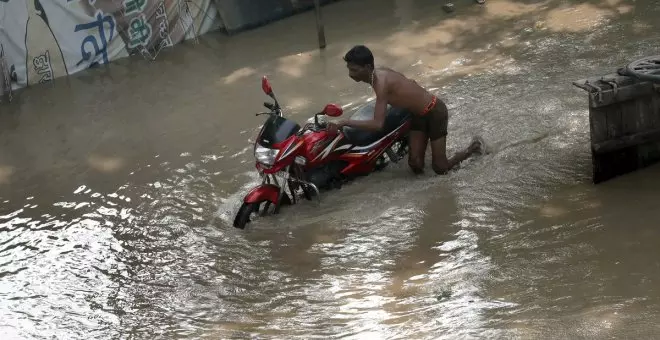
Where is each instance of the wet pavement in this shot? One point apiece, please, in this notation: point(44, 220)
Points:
point(118, 187)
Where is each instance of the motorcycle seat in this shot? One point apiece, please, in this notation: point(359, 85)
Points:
point(395, 117)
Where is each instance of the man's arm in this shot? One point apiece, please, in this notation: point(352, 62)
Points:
point(380, 111)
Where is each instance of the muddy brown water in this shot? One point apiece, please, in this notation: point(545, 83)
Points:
point(118, 187)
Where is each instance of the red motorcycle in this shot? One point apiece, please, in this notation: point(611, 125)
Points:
point(293, 160)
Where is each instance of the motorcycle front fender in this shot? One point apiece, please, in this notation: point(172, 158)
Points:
point(263, 192)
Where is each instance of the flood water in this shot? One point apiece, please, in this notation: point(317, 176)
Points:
point(118, 188)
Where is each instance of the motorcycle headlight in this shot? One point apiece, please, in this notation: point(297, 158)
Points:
point(265, 155)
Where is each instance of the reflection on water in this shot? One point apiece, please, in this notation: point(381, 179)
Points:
point(116, 220)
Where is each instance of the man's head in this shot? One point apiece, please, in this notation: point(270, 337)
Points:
point(360, 63)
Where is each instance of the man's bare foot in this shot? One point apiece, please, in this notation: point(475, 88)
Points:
point(478, 146)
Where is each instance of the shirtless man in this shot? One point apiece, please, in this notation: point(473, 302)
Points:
point(429, 114)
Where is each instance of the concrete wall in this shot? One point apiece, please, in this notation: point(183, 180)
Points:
point(45, 39)
point(41, 40)
point(239, 15)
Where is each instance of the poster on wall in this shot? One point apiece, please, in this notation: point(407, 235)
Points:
point(13, 20)
point(46, 39)
point(5, 77)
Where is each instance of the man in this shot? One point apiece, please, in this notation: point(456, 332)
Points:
point(429, 114)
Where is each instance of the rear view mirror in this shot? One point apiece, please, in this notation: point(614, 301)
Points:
point(332, 110)
point(265, 85)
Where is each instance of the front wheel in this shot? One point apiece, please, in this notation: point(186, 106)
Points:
point(263, 208)
point(244, 214)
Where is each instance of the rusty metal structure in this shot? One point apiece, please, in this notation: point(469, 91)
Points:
point(624, 117)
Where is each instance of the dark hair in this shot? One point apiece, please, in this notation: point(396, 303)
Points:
point(359, 55)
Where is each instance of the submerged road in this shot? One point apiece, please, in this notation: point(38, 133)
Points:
point(118, 187)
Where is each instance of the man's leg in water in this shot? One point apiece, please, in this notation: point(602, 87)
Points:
point(438, 120)
point(441, 165)
point(417, 149)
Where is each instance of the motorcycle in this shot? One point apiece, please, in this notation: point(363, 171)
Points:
point(293, 160)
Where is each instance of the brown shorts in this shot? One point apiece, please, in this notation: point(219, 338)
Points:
point(433, 123)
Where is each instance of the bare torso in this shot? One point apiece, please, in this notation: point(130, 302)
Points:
point(403, 92)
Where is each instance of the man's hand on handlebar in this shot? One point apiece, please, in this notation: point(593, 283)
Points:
point(335, 127)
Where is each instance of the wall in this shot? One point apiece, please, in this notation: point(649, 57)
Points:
point(239, 15)
point(41, 40)
point(44, 39)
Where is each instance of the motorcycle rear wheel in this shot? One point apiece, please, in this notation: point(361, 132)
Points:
point(400, 148)
point(403, 147)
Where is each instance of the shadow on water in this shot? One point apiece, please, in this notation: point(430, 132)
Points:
point(116, 202)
